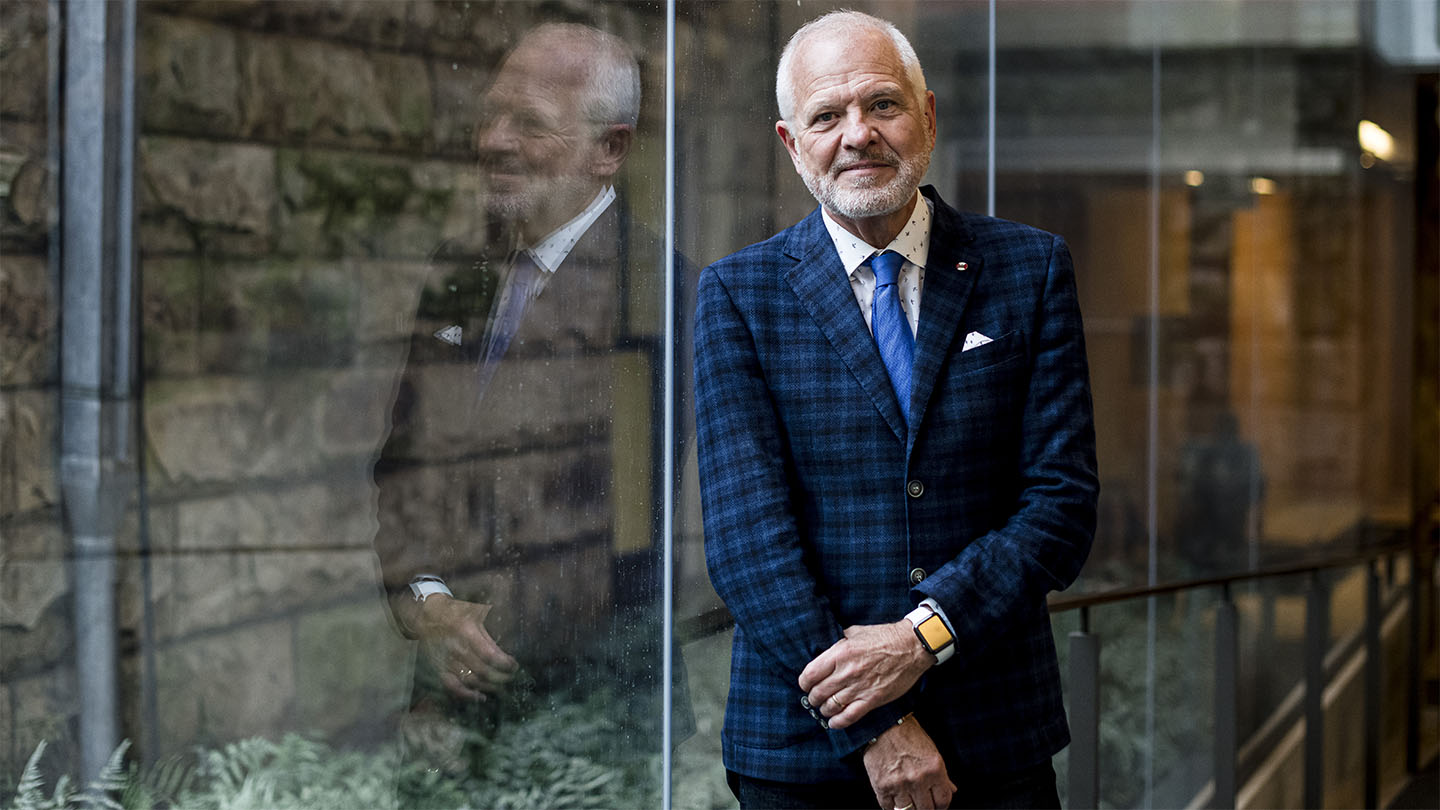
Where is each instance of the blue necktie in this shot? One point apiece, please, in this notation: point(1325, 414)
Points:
point(892, 330)
point(513, 298)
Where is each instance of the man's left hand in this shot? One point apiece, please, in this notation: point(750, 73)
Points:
point(871, 666)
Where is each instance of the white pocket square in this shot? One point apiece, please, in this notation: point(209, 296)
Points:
point(973, 340)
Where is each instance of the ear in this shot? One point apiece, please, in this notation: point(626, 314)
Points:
point(930, 113)
point(782, 128)
point(612, 149)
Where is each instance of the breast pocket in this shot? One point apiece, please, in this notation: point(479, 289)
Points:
point(1008, 348)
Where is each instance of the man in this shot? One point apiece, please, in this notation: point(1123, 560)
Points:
point(503, 542)
point(885, 515)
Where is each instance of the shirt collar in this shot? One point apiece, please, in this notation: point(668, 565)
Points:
point(549, 252)
point(913, 241)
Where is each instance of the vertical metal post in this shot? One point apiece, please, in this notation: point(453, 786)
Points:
point(1084, 716)
point(1412, 668)
point(1227, 661)
point(96, 350)
point(1373, 662)
point(1317, 639)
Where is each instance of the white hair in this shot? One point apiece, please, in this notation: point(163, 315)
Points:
point(611, 93)
point(837, 22)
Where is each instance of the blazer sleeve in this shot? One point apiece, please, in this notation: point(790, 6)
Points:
point(756, 556)
point(1002, 578)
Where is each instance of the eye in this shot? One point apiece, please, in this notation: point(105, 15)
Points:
point(825, 118)
point(884, 104)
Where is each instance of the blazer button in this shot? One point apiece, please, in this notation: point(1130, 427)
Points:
point(915, 489)
point(917, 576)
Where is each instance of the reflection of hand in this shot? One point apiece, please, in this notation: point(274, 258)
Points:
point(906, 770)
point(454, 639)
point(871, 666)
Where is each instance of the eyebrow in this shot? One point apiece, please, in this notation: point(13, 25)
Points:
point(886, 90)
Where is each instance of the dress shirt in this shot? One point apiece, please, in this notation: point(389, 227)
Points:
point(549, 252)
point(913, 242)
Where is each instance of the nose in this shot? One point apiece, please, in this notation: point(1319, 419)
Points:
point(496, 134)
point(858, 132)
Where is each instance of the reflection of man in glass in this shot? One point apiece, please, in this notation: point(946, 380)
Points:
point(505, 547)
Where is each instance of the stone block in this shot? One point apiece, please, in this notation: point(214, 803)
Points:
point(447, 423)
point(386, 295)
point(26, 202)
point(352, 671)
point(188, 74)
point(34, 598)
point(459, 87)
point(226, 686)
point(171, 316)
point(317, 92)
point(46, 709)
point(211, 591)
point(29, 322)
point(552, 496)
point(223, 428)
point(24, 60)
point(357, 204)
point(302, 516)
point(357, 407)
point(27, 467)
point(220, 198)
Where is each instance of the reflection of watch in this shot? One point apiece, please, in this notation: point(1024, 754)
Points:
point(934, 636)
point(425, 585)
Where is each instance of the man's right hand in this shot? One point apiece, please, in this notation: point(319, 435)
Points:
point(906, 769)
point(454, 640)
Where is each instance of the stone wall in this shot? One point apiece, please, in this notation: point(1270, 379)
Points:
point(298, 161)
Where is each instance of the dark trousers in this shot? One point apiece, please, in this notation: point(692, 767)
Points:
point(1029, 789)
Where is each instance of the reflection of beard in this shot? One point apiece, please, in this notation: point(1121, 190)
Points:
point(536, 198)
point(871, 198)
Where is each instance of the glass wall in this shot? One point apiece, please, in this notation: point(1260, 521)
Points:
point(395, 300)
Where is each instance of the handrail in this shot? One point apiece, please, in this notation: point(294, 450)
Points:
point(718, 619)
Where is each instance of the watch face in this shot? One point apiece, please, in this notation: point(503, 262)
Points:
point(934, 633)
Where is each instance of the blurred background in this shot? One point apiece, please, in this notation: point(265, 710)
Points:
point(215, 218)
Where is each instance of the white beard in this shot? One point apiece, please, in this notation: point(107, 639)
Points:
point(871, 198)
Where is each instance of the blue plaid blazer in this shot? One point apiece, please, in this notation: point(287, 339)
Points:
point(819, 503)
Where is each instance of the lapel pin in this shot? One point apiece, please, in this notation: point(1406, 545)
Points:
point(962, 266)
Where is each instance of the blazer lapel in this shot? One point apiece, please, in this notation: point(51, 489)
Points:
point(820, 283)
point(950, 274)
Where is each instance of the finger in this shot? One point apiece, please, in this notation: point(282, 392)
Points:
point(817, 670)
point(483, 649)
point(455, 686)
point(829, 706)
point(852, 713)
point(941, 794)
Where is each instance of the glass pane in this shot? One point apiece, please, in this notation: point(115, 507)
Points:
point(402, 295)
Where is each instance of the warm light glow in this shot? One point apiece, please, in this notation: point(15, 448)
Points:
point(1375, 140)
point(1262, 185)
point(1194, 178)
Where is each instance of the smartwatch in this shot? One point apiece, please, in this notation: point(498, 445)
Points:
point(934, 636)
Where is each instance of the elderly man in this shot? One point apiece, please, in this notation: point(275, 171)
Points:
point(897, 462)
point(503, 540)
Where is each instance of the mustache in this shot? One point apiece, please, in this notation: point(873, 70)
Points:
point(885, 157)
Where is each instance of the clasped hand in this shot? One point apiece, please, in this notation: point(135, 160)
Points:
point(454, 640)
point(871, 666)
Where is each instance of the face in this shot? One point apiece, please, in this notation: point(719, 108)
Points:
point(537, 151)
point(861, 139)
